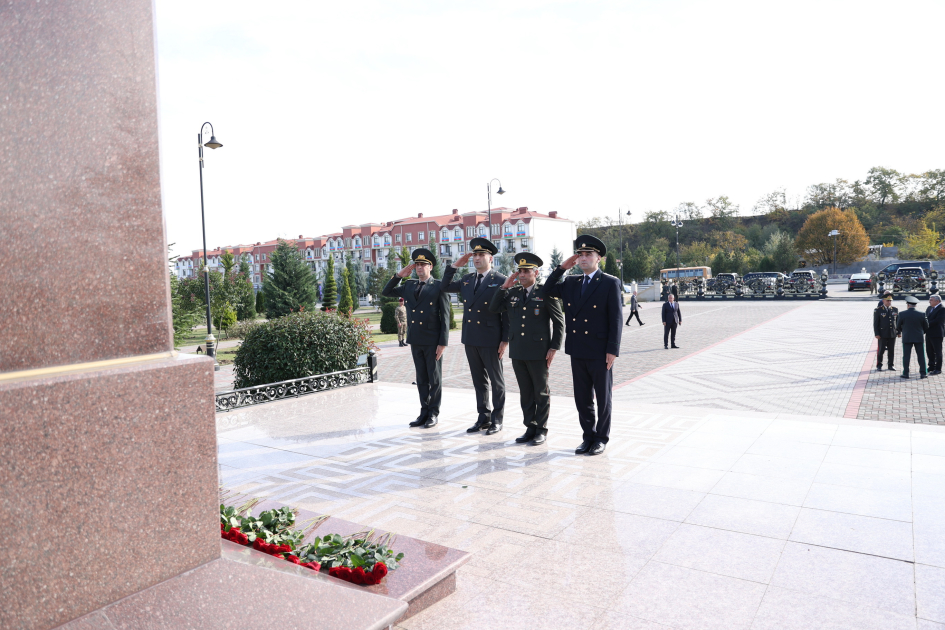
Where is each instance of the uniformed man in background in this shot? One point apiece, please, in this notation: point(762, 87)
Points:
point(535, 333)
point(428, 330)
point(593, 318)
point(912, 326)
point(400, 316)
point(885, 331)
point(485, 334)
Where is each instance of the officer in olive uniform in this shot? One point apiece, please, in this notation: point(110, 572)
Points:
point(912, 326)
point(884, 329)
point(428, 330)
point(485, 334)
point(536, 332)
point(593, 318)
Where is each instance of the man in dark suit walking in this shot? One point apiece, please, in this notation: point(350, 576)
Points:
point(912, 326)
point(885, 330)
point(485, 334)
point(533, 341)
point(428, 330)
point(672, 318)
point(634, 309)
point(592, 318)
point(935, 314)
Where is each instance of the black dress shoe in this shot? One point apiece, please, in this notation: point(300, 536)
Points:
point(903, 376)
point(879, 368)
point(476, 428)
point(677, 347)
point(924, 376)
point(665, 347)
point(419, 422)
point(597, 449)
point(494, 428)
point(934, 372)
point(583, 448)
point(431, 422)
point(528, 436)
point(643, 323)
point(539, 440)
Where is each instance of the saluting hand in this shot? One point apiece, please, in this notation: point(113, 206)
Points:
point(406, 271)
point(570, 262)
point(510, 281)
point(462, 260)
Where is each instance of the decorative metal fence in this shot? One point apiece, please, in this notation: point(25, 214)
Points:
point(730, 286)
point(248, 396)
point(902, 284)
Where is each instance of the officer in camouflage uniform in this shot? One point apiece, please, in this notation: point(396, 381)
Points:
point(536, 330)
point(400, 316)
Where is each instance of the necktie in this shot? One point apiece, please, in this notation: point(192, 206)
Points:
point(416, 294)
point(587, 281)
point(478, 280)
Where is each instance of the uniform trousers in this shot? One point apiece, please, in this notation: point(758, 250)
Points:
point(933, 347)
point(591, 379)
point(429, 378)
point(485, 368)
point(532, 377)
point(632, 315)
point(669, 332)
point(907, 355)
point(401, 331)
point(884, 344)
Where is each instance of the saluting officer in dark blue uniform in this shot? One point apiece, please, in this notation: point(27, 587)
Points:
point(428, 330)
point(536, 332)
point(593, 315)
point(485, 334)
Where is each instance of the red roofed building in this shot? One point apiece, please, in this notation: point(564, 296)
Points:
point(376, 244)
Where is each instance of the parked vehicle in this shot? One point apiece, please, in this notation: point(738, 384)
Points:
point(909, 280)
point(859, 281)
point(802, 281)
point(762, 281)
point(722, 283)
point(890, 270)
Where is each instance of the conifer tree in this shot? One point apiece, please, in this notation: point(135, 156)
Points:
point(291, 285)
point(345, 302)
point(329, 291)
point(436, 272)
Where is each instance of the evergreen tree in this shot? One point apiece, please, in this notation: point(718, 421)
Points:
point(556, 259)
point(260, 303)
point(610, 266)
point(436, 272)
point(291, 285)
point(345, 303)
point(245, 300)
point(380, 276)
point(329, 293)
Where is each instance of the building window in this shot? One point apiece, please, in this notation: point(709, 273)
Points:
point(397, 238)
point(432, 234)
point(462, 249)
point(348, 243)
point(520, 230)
point(409, 236)
point(524, 242)
point(387, 241)
point(470, 231)
point(496, 230)
point(508, 229)
point(445, 235)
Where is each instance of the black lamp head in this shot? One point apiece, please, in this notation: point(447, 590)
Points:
point(213, 144)
point(500, 191)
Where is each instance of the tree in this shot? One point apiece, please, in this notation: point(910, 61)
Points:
point(260, 302)
point(183, 314)
point(812, 241)
point(228, 262)
point(224, 317)
point(923, 244)
point(696, 254)
point(884, 184)
point(291, 285)
point(722, 211)
point(245, 299)
point(379, 278)
point(329, 291)
point(437, 271)
point(345, 303)
point(774, 204)
point(779, 250)
point(556, 259)
point(689, 210)
point(610, 266)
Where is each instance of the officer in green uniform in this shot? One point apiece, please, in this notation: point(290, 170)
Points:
point(884, 329)
point(536, 330)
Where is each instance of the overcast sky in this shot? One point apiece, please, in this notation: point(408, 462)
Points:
point(334, 113)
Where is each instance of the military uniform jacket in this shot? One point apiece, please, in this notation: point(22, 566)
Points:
point(481, 327)
point(536, 322)
point(400, 314)
point(427, 315)
point(912, 324)
point(884, 322)
point(594, 321)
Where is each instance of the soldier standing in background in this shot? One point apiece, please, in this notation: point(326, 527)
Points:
point(536, 331)
point(400, 316)
point(428, 331)
point(885, 331)
point(485, 334)
point(935, 314)
point(912, 326)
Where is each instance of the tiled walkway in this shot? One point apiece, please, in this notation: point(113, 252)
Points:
point(692, 518)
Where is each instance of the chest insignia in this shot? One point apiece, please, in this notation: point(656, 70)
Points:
point(537, 311)
point(494, 285)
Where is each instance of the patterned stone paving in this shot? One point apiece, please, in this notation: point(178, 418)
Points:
point(692, 518)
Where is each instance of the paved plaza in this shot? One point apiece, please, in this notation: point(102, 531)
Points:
point(692, 518)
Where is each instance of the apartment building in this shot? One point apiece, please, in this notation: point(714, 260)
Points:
point(376, 244)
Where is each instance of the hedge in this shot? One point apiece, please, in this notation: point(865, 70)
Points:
point(388, 321)
point(299, 345)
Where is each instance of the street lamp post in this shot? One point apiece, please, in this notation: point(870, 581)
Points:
point(677, 224)
point(489, 198)
point(834, 234)
point(620, 229)
point(212, 144)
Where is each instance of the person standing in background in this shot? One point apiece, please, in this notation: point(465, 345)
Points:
point(634, 305)
point(935, 314)
point(671, 319)
point(885, 331)
point(912, 326)
point(400, 316)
